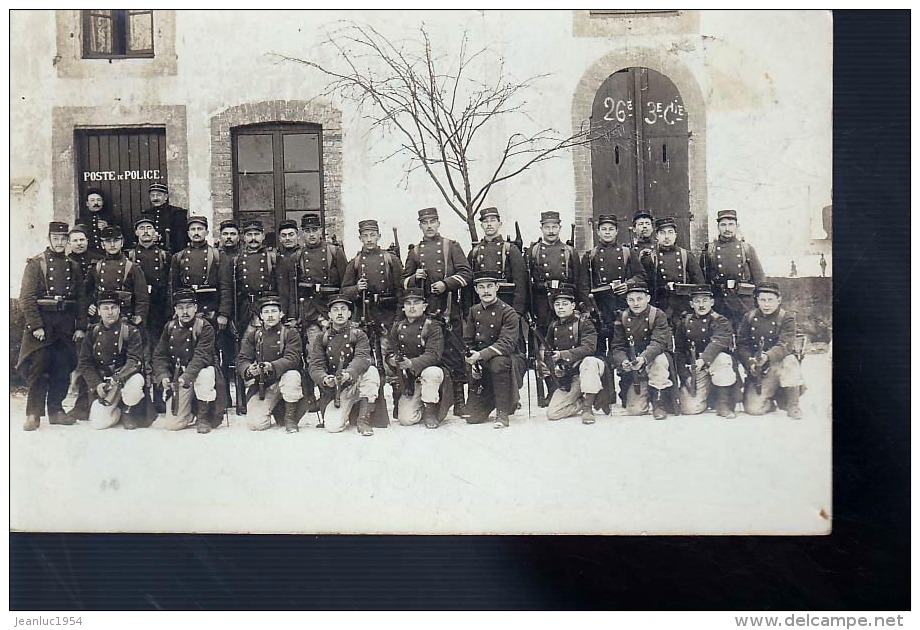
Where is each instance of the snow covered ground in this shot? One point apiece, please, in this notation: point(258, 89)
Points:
point(628, 475)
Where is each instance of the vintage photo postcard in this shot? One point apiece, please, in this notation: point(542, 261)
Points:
point(453, 272)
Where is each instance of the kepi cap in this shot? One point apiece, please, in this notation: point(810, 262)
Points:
point(184, 295)
point(287, 224)
point(565, 290)
point(414, 293)
point(726, 214)
point(664, 222)
point(768, 287)
point(428, 213)
point(310, 221)
point(229, 223)
point(607, 218)
point(486, 276)
point(636, 286)
point(489, 212)
point(107, 296)
point(270, 300)
point(158, 187)
point(111, 232)
point(58, 227)
point(550, 215)
point(701, 289)
point(338, 297)
point(368, 224)
point(253, 225)
point(642, 214)
point(197, 219)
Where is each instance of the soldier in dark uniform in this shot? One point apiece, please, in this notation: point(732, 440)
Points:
point(169, 220)
point(78, 243)
point(605, 268)
point(416, 344)
point(641, 351)
point(111, 361)
point(53, 303)
point(571, 342)
point(501, 257)
point(254, 274)
point(154, 261)
point(438, 266)
point(733, 269)
point(229, 237)
point(116, 273)
point(766, 348)
point(270, 360)
point(492, 333)
point(376, 273)
point(643, 238)
point(702, 351)
point(305, 281)
point(184, 364)
point(340, 361)
point(95, 217)
point(288, 239)
point(669, 271)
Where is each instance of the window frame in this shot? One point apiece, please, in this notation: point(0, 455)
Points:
point(121, 34)
point(277, 130)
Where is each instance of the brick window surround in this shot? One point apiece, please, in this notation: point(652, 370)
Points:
point(325, 115)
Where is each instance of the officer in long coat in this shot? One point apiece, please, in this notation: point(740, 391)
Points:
point(53, 303)
point(670, 271)
point(703, 354)
point(493, 335)
point(733, 269)
point(169, 220)
point(438, 266)
point(184, 363)
point(111, 361)
point(115, 273)
point(766, 348)
point(641, 352)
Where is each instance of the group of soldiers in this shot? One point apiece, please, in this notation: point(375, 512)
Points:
point(299, 329)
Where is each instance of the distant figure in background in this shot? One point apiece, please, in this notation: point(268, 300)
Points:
point(823, 264)
point(793, 270)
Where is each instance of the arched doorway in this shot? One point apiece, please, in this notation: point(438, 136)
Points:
point(639, 158)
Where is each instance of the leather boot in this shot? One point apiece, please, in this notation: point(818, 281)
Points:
point(724, 407)
point(206, 418)
point(290, 417)
point(501, 420)
point(459, 405)
point(655, 396)
point(59, 417)
point(158, 403)
point(364, 412)
point(792, 402)
point(550, 388)
point(430, 415)
point(31, 423)
point(587, 412)
point(128, 420)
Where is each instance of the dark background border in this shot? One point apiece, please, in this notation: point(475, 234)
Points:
point(863, 565)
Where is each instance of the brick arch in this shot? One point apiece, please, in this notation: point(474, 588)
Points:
point(322, 114)
point(692, 96)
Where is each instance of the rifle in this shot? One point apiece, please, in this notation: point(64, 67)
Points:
point(571, 241)
point(242, 406)
point(112, 387)
point(640, 374)
point(691, 385)
point(174, 389)
point(337, 399)
point(563, 383)
point(801, 341)
point(531, 324)
point(757, 373)
point(476, 368)
point(395, 246)
point(260, 376)
point(518, 239)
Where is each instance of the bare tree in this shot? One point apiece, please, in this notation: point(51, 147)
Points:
point(438, 109)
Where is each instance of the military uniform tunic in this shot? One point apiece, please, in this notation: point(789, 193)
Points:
point(550, 266)
point(777, 334)
point(86, 260)
point(494, 331)
point(421, 344)
point(383, 271)
point(648, 335)
point(154, 262)
point(315, 272)
point(255, 275)
point(206, 271)
point(101, 357)
point(503, 259)
point(171, 223)
point(55, 276)
point(575, 338)
point(666, 265)
point(117, 273)
point(724, 261)
point(602, 268)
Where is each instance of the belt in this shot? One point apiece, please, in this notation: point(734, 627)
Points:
point(311, 287)
point(54, 303)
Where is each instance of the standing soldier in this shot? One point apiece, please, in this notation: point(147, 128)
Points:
point(702, 351)
point(437, 266)
point(205, 271)
point(288, 239)
point(54, 306)
point(416, 344)
point(492, 337)
point(116, 273)
point(78, 240)
point(183, 364)
point(766, 347)
point(374, 274)
point(669, 271)
point(643, 238)
point(111, 362)
point(733, 269)
point(153, 260)
point(571, 342)
point(305, 281)
point(254, 275)
point(270, 360)
point(605, 268)
point(641, 351)
point(96, 217)
point(500, 257)
point(169, 221)
point(340, 361)
point(229, 238)
point(550, 263)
